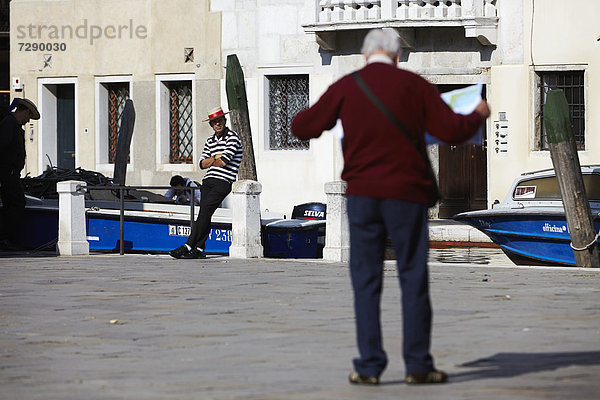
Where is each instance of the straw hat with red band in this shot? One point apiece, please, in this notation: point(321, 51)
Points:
point(215, 113)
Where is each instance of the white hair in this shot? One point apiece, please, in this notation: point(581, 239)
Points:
point(385, 39)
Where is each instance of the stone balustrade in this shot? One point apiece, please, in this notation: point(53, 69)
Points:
point(364, 10)
point(479, 17)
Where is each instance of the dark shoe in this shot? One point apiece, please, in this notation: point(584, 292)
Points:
point(194, 254)
point(179, 252)
point(429, 377)
point(356, 379)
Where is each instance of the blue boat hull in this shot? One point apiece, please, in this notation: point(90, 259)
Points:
point(161, 231)
point(150, 235)
point(527, 238)
point(39, 230)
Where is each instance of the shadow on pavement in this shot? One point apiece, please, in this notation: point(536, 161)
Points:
point(28, 254)
point(508, 365)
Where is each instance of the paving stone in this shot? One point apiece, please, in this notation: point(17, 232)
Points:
point(223, 328)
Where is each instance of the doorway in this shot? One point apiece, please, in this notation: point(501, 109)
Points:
point(65, 126)
point(462, 173)
point(58, 125)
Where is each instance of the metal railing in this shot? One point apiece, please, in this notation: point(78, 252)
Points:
point(122, 189)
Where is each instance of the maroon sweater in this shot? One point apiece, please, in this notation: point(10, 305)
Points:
point(379, 161)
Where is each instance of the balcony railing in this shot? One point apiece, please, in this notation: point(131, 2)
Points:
point(478, 17)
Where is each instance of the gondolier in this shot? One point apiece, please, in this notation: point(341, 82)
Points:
point(12, 161)
point(221, 157)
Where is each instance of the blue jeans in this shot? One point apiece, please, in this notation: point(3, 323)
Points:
point(371, 222)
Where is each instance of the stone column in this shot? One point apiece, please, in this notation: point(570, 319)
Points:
point(434, 155)
point(337, 233)
point(72, 239)
point(388, 9)
point(245, 221)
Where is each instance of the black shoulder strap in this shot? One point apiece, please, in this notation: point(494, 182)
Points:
point(434, 194)
point(385, 111)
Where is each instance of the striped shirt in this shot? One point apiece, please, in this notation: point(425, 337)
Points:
point(229, 145)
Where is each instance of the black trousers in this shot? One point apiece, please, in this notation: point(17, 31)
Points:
point(13, 204)
point(213, 193)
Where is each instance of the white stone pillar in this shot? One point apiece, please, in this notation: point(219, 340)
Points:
point(469, 7)
point(337, 14)
point(72, 239)
point(337, 233)
point(245, 221)
point(323, 10)
point(388, 9)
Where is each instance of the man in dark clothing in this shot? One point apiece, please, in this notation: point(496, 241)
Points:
point(12, 161)
point(183, 196)
point(388, 192)
point(221, 158)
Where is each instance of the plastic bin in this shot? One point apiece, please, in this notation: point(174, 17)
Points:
point(291, 238)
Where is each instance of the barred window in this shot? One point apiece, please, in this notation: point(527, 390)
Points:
point(572, 83)
point(288, 94)
point(117, 94)
point(181, 132)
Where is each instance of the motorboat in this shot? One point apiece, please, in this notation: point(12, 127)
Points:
point(153, 224)
point(530, 225)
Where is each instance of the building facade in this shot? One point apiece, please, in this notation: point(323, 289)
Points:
point(79, 60)
point(518, 49)
point(169, 57)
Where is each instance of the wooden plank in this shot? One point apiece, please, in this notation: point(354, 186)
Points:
point(568, 172)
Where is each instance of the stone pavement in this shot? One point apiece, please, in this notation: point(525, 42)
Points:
point(448, 230)
point(148, 327)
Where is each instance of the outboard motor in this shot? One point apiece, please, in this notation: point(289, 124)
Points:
point(314, 211)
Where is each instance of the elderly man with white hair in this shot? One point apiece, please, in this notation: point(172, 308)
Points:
point(385, 112)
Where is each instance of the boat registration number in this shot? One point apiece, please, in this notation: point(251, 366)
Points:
point(178, 230)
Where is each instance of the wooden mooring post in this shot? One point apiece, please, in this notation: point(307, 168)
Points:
point(240, 119)
point(568, 172)
point(124, 143)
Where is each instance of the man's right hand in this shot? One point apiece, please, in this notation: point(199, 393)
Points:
point(207, 162)
point(483, 109)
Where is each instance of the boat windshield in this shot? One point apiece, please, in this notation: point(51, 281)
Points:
point(547, 188)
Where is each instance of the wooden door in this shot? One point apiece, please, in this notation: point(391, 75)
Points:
point(463, 179)
point(462, 173)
